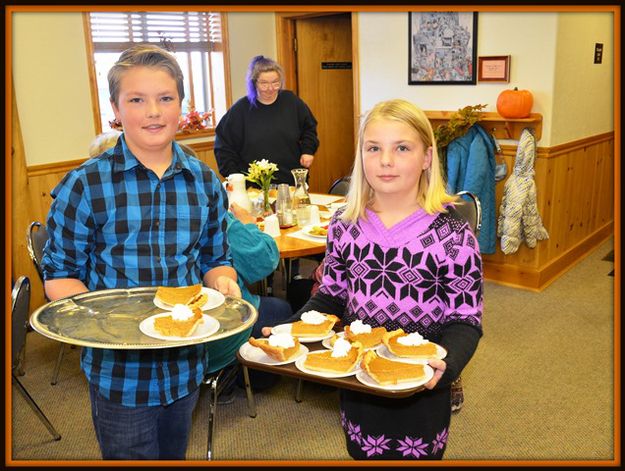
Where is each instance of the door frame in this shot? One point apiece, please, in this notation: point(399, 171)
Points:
point(286, 55)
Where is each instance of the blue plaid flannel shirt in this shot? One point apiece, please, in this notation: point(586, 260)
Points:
point(114, 224)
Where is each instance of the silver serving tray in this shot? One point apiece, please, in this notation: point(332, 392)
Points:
point(110, 319)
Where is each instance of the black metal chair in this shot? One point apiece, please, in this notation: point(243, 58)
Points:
point(36, 237)
point(340, 186)
point(217, 382)
point(471, 209)
point(20, 299)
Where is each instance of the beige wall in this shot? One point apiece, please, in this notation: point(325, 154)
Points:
point(52, 86)
point(52, 82)
point(583, 91)
point(251, 34)
point(551, 56)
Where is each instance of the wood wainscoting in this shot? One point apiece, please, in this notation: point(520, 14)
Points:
point(575, 192)
point(33, 205)
point(575, 196)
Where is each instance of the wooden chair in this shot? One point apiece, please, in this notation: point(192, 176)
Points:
point(36, 237)
point(20, 299)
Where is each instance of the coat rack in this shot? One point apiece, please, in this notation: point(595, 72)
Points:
point(496, 124)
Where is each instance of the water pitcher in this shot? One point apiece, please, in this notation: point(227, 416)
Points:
point(237, 192)
point(301, 198)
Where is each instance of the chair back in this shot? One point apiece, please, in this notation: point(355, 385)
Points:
point(20, 300)
point(340, 186)
point(470, 208)
point(36, 238)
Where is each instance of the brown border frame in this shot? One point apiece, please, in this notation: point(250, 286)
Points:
point(481, 60)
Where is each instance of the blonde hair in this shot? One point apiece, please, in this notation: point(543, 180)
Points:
point(103, 142)
point(432, 195)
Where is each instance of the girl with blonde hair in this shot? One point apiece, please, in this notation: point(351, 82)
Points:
point(400, 256)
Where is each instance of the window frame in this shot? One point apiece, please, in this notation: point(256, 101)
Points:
point(221, 48)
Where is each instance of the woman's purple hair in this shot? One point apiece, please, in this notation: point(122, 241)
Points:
point(258, 65)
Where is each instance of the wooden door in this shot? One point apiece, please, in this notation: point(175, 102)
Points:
point(325, 83)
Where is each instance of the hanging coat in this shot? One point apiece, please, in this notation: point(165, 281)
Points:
point(471, 167)
point(518, 213)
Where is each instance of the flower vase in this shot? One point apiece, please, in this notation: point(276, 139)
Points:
point(266, 204)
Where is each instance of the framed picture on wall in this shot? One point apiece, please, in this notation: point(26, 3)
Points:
point(443, 48)
point(493, 69)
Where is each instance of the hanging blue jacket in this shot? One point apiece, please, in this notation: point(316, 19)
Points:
point(471, 167)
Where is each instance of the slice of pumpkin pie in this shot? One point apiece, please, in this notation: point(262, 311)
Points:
point(313, 324)
point(182, 321)
point(343, 357)
point(280, 347)
point(388, 372)
point(409, 345)
point(368, 336)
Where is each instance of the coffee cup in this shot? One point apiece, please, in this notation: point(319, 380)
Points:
point(272, 226)
point(314, 215)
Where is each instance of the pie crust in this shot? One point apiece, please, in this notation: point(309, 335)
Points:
point(426, 351)
point(277, 353)
point(388, 372)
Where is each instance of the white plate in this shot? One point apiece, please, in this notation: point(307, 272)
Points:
point(324, 374)
point(207, 327)
point(306, 230)
point(385, 353)
point(286, 329)
point(215, 299)
point(367, 380)
point(257, 355)
point(326, 342)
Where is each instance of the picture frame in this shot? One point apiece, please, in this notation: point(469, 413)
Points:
point(493, 69)
point(442, 48)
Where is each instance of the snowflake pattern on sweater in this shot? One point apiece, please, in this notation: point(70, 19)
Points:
point(418, 275)
point(409, 447)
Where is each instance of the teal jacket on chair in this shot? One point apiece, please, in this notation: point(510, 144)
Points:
point(255, 256)
point(471, 167)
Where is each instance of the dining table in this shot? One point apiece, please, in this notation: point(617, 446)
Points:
point(293, 242)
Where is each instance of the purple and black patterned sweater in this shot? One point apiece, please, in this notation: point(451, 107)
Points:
point(422, 275)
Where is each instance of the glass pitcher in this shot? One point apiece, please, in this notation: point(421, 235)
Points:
point(301, 198)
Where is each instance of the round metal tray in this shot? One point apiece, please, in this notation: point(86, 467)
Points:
point(110, 319)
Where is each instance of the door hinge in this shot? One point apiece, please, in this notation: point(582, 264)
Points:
point(295, 44)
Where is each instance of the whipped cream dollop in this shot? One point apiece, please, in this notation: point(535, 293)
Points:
point(412, 339)
point(181, 312)
point(313, 317)
point(281, 340)
point(340, 348)
point(358, 327)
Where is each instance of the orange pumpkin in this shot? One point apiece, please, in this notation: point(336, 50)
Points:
point(515, 103)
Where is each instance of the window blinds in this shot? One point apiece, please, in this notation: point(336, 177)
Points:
point(179, 31)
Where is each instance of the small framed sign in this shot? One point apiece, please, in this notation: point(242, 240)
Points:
point(493, 69)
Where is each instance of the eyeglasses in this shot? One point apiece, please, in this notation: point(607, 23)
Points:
point(267, 85)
